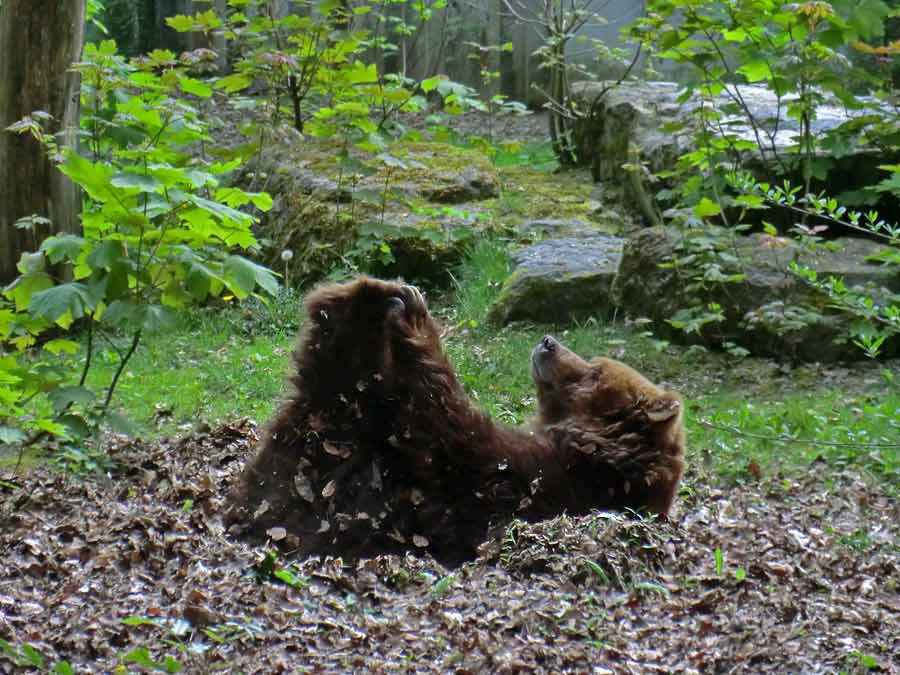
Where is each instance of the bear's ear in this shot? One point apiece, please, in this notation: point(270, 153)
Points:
point(662, 409)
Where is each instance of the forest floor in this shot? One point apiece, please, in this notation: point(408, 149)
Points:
point(134, 571)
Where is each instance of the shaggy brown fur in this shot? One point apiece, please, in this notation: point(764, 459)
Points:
point(380, 448)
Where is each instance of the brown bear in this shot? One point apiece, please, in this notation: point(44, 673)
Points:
point(379, 448)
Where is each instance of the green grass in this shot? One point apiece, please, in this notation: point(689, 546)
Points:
point(838, 429)
point(228, 363)
point(216, 365)
point(479, 279)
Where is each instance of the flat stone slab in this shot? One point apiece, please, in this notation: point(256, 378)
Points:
point(558, 228)
point(557, 279)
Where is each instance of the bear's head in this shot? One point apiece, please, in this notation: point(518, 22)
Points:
point(622, 437)
point(568, 387)
point(348, 333)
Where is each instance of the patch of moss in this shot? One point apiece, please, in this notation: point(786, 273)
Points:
point(442, 157)
point(431, 166)
point(531, 194)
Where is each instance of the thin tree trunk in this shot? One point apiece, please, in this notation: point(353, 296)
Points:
point(492, 32)
point(39, 40)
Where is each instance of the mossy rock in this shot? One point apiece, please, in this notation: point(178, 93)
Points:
point(530, 195)
point(441, 173)
point(328, 219)
point(770, 312)
point(419, 247)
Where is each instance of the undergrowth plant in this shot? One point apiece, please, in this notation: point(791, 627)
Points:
point(160, 233)
point(793, 50)
point(496, 104)
point(797, 52)
point(874, 319)
point(305, 60)
point(289, 57)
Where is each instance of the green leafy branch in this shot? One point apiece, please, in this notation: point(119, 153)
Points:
point(161, 231)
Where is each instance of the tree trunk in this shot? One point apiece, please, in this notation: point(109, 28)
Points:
point(39, 40)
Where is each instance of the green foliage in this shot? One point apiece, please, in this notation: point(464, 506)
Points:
point(794, 50)
point(27, 656)
point(598, 571)
point(160, 233)
point(866, 661)
point(270, 569)
point(797, 51)
point(143, 658)
point(93, 11)
point(307, 62)
point(443, 585)
point(875, 320)
point(720, 561)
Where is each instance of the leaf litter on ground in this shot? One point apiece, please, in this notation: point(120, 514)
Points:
point(798, 574)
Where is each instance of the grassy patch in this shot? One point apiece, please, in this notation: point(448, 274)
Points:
point(479, 278)
point(838, 429)
point(216, 365)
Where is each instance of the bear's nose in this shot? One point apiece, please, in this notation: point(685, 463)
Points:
point(549, 343)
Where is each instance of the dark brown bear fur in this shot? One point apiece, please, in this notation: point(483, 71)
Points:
point(379, 447)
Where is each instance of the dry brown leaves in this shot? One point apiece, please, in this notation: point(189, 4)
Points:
point(807, 581)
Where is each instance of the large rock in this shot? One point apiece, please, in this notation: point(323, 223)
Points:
point(770, 311)
point(557, 279)
point(633, 121)
point(631, 114)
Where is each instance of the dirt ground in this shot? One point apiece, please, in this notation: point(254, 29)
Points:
point(784, 575)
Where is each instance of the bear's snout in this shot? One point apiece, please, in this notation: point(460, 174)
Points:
point(545, 350)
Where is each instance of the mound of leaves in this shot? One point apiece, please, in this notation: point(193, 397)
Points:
point(133, 570)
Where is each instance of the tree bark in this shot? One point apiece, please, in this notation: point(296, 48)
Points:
point(39, 40)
